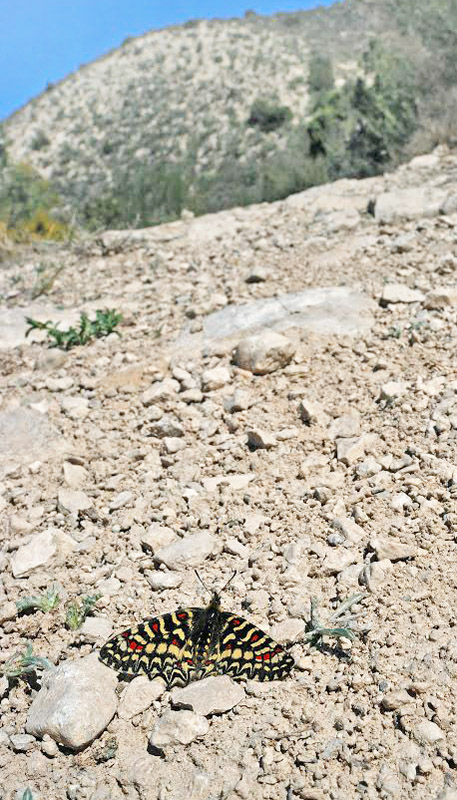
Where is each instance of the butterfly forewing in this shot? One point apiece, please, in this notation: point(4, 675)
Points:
point(160, 647)
point(247, 652)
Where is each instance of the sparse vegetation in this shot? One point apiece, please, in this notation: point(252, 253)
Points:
point(104, 323)
point(78, 611)
point(47, 601)
point(341, 622)
point(24, 663)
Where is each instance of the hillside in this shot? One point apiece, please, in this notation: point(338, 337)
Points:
point(219, 113)
point(315, 462)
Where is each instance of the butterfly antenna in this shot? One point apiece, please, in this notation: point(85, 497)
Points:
point(201, 581)
point(228, 582)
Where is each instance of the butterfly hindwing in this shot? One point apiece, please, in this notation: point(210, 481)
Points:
point(247, 652)
point(159, 647)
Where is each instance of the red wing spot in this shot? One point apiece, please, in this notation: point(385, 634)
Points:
point(125, 635)
point(267, 656)
point(237, 622)
point(207, 663)
point(183, 615)
point(135, 646)
point(229, 646)
point(258, 658)
point(254, 637)
point(189, 661)
point(278, 649)
point(175, 642)
point(155, 626)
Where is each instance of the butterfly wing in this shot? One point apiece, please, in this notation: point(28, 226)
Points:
point(247, 652)
point(160, 647)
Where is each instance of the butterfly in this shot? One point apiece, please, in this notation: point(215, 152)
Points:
point(193, 643)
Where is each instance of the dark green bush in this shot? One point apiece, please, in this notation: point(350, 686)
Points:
point(268, 116)
point(320, 77)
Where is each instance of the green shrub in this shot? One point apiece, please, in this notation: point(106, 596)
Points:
point(268, 116)
point(320, 77)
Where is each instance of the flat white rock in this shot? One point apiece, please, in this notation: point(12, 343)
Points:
point(189, 551)
point(178, 727)
point(139, 695)
point(76, 702)
point(41, 548)
point(212, 695)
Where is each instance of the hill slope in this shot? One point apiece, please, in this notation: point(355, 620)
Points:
point(216, 113)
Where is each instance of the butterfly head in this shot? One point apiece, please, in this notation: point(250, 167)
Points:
point(215, 601)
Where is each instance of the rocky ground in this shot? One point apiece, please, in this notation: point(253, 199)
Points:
point(318, 461)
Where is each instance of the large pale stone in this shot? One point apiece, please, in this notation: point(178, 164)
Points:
point(178, 727)
point(76, 702)
point(189, 551)
point(267, 352)
point(212, 695)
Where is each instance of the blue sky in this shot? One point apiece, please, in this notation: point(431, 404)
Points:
point(41, 41)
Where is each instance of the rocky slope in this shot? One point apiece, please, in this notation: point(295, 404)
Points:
point(321, 464)
point(183, 96)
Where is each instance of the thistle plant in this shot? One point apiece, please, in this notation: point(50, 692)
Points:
point(104, 323)
point(24, 663)
point(44, 602)
point(77, 612)
point(340, 622)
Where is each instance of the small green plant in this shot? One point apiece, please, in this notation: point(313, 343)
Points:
point(77, 612)
point(44, 602)
point(105, 322)
point(340, 622)
point(268, 116)
point(25, 663)
point(27, 795)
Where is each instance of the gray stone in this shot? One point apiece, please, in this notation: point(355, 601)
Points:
point(392, 549)
point(172, 445)
point(327, 310)
point(160, 391)
point(157, 536)
point(215, 378)
point(121, 500)
point(350, 450)
point(75, 407)
point(25, 436)
point(59, 384)
point(261, 440)
point(312, 413)
point(399, 293)
point(187, 552)
point(392, 701)
point(8, 610)
point(76, 702)
point(240, 400)
point(412, 203)
point(42, 547)
point(139, 695)
point(75, 475)
point(288, 630)
point(22, 742)
point(72, 501)
point(167, 426)
point(163, 580)
point(96, 629)
point(178, 727)
point(264, 353)
point(352, 533)
point(392, 390)
point(345, 426)
point(444, 297)
point(427, 732)
point(212, 695)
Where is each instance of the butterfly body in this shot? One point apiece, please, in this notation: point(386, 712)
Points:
point(194, 643)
